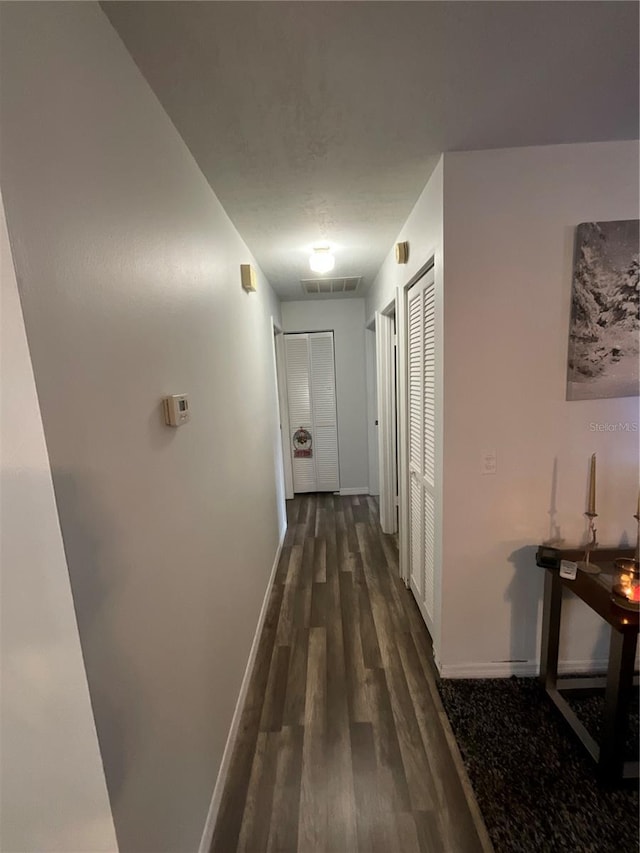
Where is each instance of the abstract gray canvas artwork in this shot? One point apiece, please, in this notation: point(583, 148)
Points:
point(604, 335)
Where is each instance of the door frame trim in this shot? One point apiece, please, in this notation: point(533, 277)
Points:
point(387, 416)
point(283, 407)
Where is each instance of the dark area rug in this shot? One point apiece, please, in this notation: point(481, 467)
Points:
point(535, 785)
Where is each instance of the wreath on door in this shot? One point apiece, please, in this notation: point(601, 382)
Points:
point(302, 443)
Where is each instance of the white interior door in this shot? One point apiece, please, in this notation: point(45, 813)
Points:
point(311, 392)
point(421, 327)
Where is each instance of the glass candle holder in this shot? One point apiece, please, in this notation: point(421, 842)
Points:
point(626, 582)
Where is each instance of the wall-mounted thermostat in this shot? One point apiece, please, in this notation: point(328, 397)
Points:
point(176, 410)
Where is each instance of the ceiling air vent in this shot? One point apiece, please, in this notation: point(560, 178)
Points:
point(331, 285)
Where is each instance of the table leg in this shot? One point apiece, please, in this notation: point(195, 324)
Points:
point(622, 653)
point(552, 606)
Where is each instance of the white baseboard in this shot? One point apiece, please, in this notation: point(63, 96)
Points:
point(210, 823)
point(358, 490)
point(504, 669)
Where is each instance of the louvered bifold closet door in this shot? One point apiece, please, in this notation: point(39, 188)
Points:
point(429, 445)
point(323, 406)
point(422, 441)
point(415, 389)
point(298, 369)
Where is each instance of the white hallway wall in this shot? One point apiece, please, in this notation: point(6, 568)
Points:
point(510, 218)
point(129, 277)
point(53, 795)
point(346, 318)
point(424, 232)
point(505, 279)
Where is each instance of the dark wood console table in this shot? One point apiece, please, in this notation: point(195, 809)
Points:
point(594, 590)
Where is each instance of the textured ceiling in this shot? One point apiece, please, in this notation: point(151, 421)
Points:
point(321, 121)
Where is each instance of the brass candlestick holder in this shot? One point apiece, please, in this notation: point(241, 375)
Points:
point(586, 565)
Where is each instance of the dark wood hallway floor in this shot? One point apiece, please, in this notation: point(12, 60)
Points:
point(342, 745)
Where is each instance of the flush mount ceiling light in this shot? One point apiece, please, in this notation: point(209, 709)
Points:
point(322, 260)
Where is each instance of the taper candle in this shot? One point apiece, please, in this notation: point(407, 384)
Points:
point(591, 510)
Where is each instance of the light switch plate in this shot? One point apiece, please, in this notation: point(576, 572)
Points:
point(489, 461)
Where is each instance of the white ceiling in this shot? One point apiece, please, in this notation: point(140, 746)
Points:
point(321, 121)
